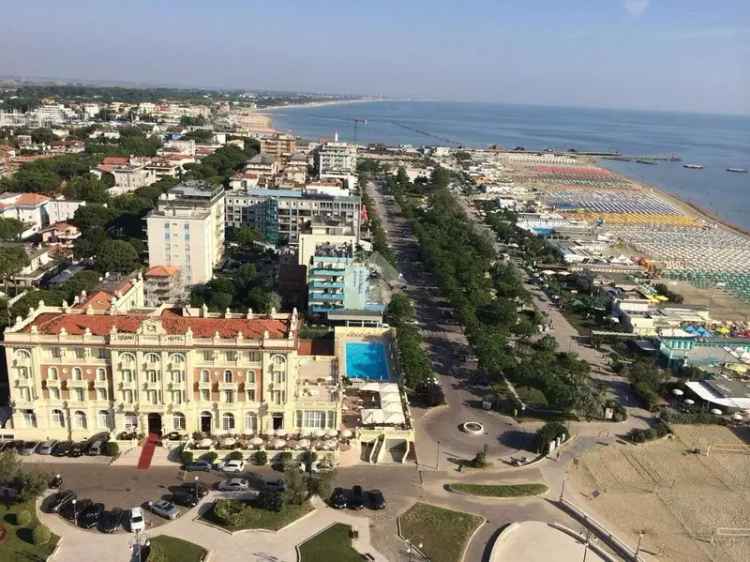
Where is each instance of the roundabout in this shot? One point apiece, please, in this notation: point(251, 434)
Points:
point(473, 428)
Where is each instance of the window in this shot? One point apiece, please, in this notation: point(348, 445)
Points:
point(58, 418)
point(56, 352)
point(52, 374)
point(127, 375)
point(25, 394)
point(152, 358)
point(77, 375)
point(178, 376)
point(278, 396)
point(227, 376)
point(231, 355)
point(102, 418)
point(153, 376)
point(29, 418)
point(127, 396)
point(100, 353)
point(251, 422)
point(204, 376)
point(229, 396)
point(101, 374)
point(208, 356)
point(177, 359)
point(279, 377)
point(79, 394)
point(80, 353)
point(227, 422)
point(79, 420)
point(314, 419)
point(279, 363)
point(205, 395)
point(127, 359)
point(250, 377)
point(178, 421)
point(251, 395)
point(153, 396)
point(177, 396)
point(54, 393)
point(101, 393)
point(22, 372)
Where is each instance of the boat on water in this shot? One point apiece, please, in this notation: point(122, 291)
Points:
point(693, 166)
point(649, 162)
point(737, 170)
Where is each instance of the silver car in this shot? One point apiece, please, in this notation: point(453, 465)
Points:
point(166, 509)
point(45, 448)
point(28, 447)
point(234, 485)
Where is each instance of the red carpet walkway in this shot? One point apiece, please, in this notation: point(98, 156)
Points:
point(147, 453)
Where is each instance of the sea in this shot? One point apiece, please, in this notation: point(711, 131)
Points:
point(717, 142)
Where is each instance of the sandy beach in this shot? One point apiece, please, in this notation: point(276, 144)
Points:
point(320, 104)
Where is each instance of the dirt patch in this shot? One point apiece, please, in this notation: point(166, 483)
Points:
point(678, 498)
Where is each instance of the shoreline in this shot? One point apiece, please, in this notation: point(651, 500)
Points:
point(319, 104)
point(688, 207)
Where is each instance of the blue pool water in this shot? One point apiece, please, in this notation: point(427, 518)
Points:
point(366, 360)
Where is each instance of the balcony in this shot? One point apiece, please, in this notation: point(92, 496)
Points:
point(101, 383)
point(204, 385)
point(152, 385)
point(317, 284)
point(127, 385)
point(53, 383)
point(73, 383)
point(326, 297)
point(228, 386)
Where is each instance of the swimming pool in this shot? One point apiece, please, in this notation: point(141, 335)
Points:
point(366, 360)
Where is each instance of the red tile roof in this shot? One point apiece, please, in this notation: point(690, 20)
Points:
point(33, 199)
point(172, 321)
point(161, 271)
point(315, 347)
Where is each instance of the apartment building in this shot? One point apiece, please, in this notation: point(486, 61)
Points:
point(186, 230)
point(163, 285)
point(74, 372)
point(279, 146)
point(336, 160)
point(282, 214)
point(36, 211)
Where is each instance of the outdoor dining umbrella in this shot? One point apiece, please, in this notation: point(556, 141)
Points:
point(278, 443)
point(304, 443)
point(677, 392)
point(689, 401)
point(256, 441)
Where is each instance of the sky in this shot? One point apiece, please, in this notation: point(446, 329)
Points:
point(683, 55)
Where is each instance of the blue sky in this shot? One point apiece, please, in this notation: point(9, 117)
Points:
point(688, 55)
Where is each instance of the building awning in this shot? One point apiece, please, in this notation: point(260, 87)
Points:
point(704, 393)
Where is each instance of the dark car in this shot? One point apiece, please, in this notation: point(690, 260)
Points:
point(175, 436)
point(90, 516)
point(77, 449)
point(111, 521)
point(196, 488)
point(56, 482)
point(55, 502)
point(338, 499)
point(62, 448)
point(198, 466)
point(73, 510)
point(357, 501)
point(184, 497)
point(375, 499)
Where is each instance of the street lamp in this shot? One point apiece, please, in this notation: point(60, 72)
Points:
point(410, 549)
point(75, 512)
point(437, 458)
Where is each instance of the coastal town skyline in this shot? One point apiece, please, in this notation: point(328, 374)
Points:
point(629, 54)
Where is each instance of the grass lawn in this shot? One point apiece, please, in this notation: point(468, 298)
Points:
point(332, 545)
point(178, 550)
point(443, 533)
point(254, 518)
point(500, 490)
point(18, 544)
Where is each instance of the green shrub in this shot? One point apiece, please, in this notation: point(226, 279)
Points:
point(23, 518)
point(260, 458)
point(235, 456)
point(271, 501)
point(548, 433)
point(228, 512)
point(186, 456)
point(650, 434)
point(211, 456)
point(40, 535)
point(111, 449)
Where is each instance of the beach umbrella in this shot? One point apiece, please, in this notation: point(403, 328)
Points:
point(256, 441)
point(347, 434)
point(228, 442)
point(304, 443)
point(738, 416)
point(280, 432)
point(319, 433)
point(278, 443)
point(689, 401)
point(205, 443)
point(716, 411)
point(677, 392)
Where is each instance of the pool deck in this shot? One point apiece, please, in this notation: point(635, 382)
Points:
point(344, 335)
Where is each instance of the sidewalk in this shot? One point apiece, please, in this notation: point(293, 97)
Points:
point(253, 546)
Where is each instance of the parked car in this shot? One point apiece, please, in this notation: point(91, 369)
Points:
point(73, 509)
point(59, 500)
point(46, 447)
point(111, 521)
point(175, 436)
point(136, 522)
point(198, 466)
point(95, 448)
point(185, 498)
point(339, 499)
point(55, 482)
point(90, 516)
point(376, 500)
point(275, 485)
point(77, 449)
point(28, 448)
point(197, 488)
point(234, 485)
point(233, 465)
point(357, 501)
point(165, 508)
point(62, 448)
